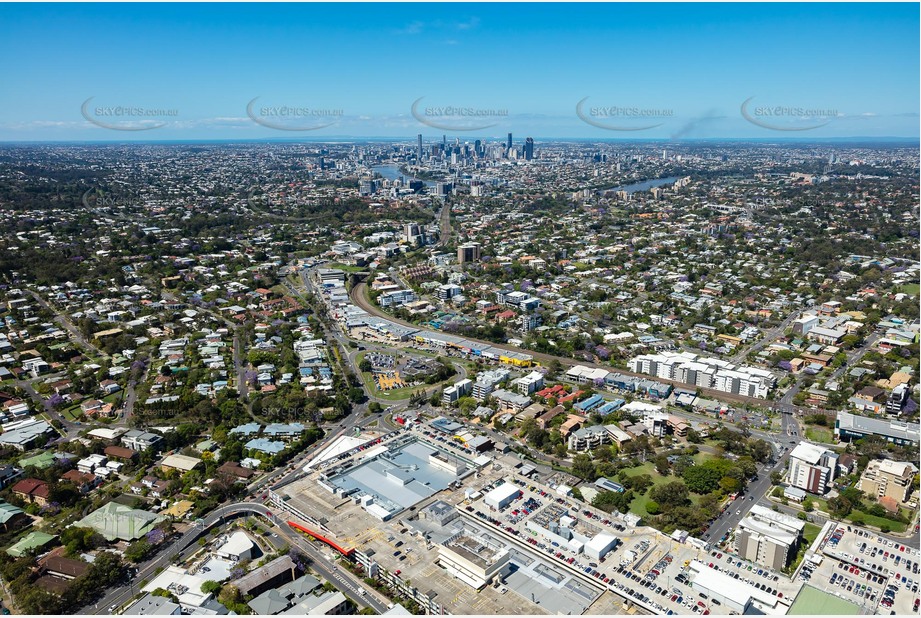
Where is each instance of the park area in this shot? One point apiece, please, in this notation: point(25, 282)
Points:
point(638, 505)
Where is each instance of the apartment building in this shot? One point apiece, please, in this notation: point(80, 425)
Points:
point(885, 478)
point(508, 401)
point(469, 252)
point(706, 372)
point(768, 538)
point(461, 388)
point(396, 298)
point(487, 381)
point(812, 468)
point(529, 384)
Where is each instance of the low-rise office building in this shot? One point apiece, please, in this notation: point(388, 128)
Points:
point(849, 427)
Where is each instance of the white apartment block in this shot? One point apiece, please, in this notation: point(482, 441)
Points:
point(812, 467)
point(705, 372)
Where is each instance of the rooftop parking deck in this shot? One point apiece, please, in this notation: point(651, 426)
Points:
point(878, 575)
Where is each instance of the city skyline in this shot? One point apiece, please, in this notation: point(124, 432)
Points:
point(392, 71)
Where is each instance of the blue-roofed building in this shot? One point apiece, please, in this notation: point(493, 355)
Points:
point(609, 485)
point(621, 382)
point(263, 445)
point(587, 405)
point(610, 406)
point(249, 429)
point(445, 425)
point(654, 389)
point(283, 430)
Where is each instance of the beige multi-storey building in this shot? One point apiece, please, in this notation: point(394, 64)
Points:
point(768, 538)
point(886, 478)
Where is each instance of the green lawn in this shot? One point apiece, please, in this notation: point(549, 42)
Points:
point(820, 434)
point(870, 520)
point(911, 288)
point(72, 413)
point(810, 533)
point(820, 504)
point(877, 522)
point(638, 506)
point(347, 267)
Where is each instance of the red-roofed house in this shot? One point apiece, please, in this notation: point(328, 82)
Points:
point(32, 490)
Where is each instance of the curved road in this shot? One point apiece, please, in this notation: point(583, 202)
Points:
point(180, 548)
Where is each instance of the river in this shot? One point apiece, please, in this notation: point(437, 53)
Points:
point(392, 172)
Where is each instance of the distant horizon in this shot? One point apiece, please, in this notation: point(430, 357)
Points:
point(412, 138)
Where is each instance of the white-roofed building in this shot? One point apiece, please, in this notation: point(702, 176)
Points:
point(582, 374)
point(238, 546)
point(734, 594)
point(600, 545)
point(502, 496)
point(812, 467)
point(182, 463)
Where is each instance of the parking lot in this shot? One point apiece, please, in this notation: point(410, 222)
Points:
point(879, 575)
point(646, 567)
point(639, 568)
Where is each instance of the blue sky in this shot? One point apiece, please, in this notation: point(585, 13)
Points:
point(680, 70)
